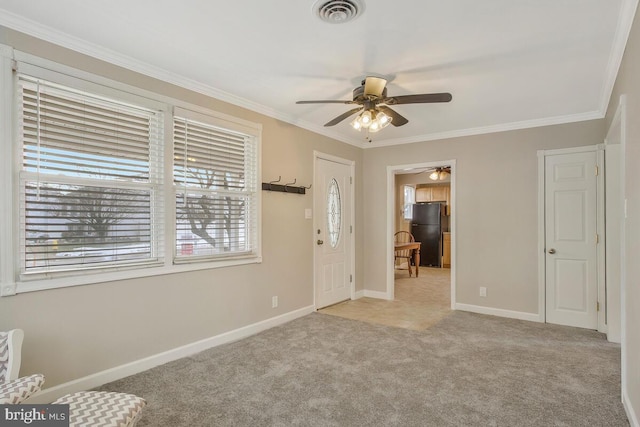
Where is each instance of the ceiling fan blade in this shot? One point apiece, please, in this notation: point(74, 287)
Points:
point(418, 99)
point(342, 116)
point(326, 101)
point(374, 86)
point(446, 169)
point(425, 171)
point(396, 119)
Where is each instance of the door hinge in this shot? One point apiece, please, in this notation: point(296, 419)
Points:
point(351, 278)
point(598, 306)
point(350, 180)
point(351, 229)
point(597, 238)
point(597, 170)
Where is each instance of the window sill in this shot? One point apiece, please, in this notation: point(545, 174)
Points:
point(82, 278)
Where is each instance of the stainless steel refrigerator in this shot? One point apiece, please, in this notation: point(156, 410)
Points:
point(429, 221)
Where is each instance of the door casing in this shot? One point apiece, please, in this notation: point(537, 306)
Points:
point(392, 171)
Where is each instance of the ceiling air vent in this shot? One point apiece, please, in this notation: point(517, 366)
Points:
point(338, 11)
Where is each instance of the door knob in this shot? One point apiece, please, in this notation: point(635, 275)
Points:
point(552, 251)
point(320, 242)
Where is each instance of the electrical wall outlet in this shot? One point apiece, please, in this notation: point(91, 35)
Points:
point(274, 302)
point(483, 291)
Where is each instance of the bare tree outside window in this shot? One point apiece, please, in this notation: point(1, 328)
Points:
point(99, 209)
point(211, 216)
point(96, 223)
point(214, 201)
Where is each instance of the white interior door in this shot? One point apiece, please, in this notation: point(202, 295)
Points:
point(570, 239)
point(332, 204)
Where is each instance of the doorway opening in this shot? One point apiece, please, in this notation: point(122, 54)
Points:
point(421, 202)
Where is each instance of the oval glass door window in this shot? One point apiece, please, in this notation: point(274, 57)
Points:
point(334, 213)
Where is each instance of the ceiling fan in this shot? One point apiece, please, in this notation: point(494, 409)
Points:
point(439, 173)
point(373, 102)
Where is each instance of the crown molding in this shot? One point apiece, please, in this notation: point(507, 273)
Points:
point(525, 124)
point(623, 29)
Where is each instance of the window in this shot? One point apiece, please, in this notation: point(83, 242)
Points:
point(334, 213)
point(409, 201)
point(214, 174)
point(91, 195)
point(89, 181)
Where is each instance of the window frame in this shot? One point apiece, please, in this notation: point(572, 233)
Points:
point(405, 204)
point(11, 281)
point(153, 184)
point(253, 192)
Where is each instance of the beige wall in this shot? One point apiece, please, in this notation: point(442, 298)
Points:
point(74, 332)
point(496, 204)
point(628, 83)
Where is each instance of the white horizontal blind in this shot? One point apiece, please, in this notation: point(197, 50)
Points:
point(215, 175)
point(91, 171)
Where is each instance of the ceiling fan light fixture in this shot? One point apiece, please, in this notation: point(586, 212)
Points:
point(383, 119)
point(439, 174)
point(366, 118)
point(371, 120)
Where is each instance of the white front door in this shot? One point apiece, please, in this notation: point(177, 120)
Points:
point(570, 239)
point(332, 204)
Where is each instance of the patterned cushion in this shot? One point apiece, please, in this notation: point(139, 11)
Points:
point(102, 408)
point(4, 356)
point(17, 391)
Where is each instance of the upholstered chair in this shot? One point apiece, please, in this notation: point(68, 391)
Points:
point(14, 390)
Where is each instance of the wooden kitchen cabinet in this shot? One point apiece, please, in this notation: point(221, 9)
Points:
point(434, 193)
point(446, 250)
point(439, 193)
point(423, 194)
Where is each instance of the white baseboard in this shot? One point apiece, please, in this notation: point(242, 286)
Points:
point(359, 294)
point(613, 337)
point(532, 317)
point(628, 407)
point(376, 294)
point(95, 380)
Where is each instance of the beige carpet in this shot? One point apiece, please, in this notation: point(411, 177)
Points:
point(468, 370)
point(420, 302)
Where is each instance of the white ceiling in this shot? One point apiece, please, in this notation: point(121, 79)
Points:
point(509, 64)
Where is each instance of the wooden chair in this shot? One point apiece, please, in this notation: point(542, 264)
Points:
point(404, 237)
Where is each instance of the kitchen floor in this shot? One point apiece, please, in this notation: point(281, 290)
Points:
point(420, 302)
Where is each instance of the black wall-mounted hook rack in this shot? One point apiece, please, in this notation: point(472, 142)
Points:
point(284, 188)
